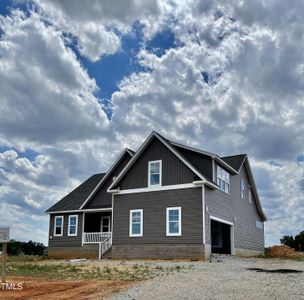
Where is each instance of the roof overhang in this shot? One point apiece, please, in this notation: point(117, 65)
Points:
point(79, 210)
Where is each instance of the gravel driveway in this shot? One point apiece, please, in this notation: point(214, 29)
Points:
point(225, 278)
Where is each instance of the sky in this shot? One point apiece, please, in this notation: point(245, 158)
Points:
point(78, 83)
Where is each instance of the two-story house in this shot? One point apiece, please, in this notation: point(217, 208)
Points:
point(166, 200)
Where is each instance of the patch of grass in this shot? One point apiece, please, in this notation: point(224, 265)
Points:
point(67, 271)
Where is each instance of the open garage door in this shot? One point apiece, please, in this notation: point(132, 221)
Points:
point(220, 237)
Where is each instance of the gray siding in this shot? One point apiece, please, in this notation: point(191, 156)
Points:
point(154, 206)
point(65, 240)
point(228, 207)
point(102, 198)
point(174, 171)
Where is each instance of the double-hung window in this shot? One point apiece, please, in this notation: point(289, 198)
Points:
point(174, 225)
point(136, 223)
point(73, 222)
point(155, 170)
point(242, 189)
point(223, 180)
point(58, 226)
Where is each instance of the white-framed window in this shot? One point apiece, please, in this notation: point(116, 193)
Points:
point(223, 180)
point(242, 188)
point(259, 224)
point(174, 221)
point(73, 225)
point(58, 226)
point(155, 173)
point(136, 223)
point(250, 195)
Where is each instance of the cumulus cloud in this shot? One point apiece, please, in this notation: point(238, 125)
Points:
point(232, 83)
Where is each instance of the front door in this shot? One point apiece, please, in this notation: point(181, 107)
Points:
point(105, 224)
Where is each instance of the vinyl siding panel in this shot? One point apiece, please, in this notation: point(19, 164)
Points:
point(154, 206)
point(102, 198)
point(174, 171)
point(65, 240)
point(228, 207)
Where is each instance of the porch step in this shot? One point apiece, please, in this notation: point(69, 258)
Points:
point(108, 253)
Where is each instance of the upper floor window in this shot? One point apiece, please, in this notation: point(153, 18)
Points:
point(73, 220)
point(223, 179)
point(155, 170)
point(58, 228)
point(250, 195)
point(259, 224)
point(242, 188)
point(174, 221)
point(136, 222)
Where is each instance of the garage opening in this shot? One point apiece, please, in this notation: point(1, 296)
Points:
point(220, 237)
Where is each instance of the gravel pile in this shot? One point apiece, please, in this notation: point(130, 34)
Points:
point(224, 278)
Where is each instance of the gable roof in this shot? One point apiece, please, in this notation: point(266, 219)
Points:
point(235, 161)
point(253, 187)
point(74, 199)
point(170, 146)
point(118, 160)
point(80, 196)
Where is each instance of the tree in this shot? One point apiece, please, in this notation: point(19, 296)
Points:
point(296, 242)
point(27, 248)
point(287, 240)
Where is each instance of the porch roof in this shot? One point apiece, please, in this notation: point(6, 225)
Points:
point(75, 199)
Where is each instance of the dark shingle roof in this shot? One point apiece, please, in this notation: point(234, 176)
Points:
point(235, 161)
point(76, 198)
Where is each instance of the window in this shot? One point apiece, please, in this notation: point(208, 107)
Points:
point(250, 195)
point(242, 188)
point(174, 221)
point(155, 170)
point(73, 220)
point(223, 180)
point(136, 222)
point(58, 226)
point(259, 225)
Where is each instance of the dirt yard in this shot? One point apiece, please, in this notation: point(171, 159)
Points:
point(223, 278)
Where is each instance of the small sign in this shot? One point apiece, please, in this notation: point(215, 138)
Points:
point(4, 234)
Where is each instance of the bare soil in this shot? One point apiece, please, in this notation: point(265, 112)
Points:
point(283, 251)
point(41, 288)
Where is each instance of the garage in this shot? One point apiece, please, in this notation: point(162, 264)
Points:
point(220, 237)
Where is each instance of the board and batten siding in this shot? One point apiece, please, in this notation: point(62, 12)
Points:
point(65, 240)
point(231, 207)
point(154, 206)
point(102, 198)
point(174, 171)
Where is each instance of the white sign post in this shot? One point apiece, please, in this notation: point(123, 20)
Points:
point(4, 239)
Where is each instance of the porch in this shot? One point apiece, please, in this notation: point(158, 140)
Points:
point(97, 228)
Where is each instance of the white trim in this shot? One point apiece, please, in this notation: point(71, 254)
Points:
point(221, 220)
point(141, 223)
point(179, 221)
point(105, 177)
point(74, 234)
point(105, 217)
point(81, 210)
point(112, 216)
point(158, 188)
point(83, 220)
point(204, 214)
point(142, 148)
point(149, 173)
point(62, 220)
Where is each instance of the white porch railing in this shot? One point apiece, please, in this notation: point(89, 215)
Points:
point(103, 239)
point(95, 237)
